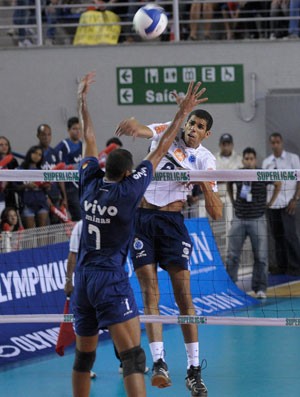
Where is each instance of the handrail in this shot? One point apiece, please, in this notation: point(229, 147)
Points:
point(176, 21)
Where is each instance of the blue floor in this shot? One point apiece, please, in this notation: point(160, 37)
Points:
point(241, 362)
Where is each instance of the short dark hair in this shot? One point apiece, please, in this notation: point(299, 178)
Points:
point(202, 114)
point(115, 140)
point(41, 128)
point(275, 135)
point(72, 121)
point(118, 162)
point(249, 150)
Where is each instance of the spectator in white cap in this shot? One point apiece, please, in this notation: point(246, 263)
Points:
point(227, 159)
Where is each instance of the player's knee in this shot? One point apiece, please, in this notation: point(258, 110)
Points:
point(84, 361)
point(133, 360)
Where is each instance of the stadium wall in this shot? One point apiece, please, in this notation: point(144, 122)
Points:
point(38, 85)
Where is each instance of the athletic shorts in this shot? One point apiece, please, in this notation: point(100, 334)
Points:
point(34, 210)
point(100, 299)
point(161, 237)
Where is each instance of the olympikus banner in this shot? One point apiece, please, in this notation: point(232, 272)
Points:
point(32, 282)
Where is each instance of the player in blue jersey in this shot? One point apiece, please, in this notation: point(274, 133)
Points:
point(103, 297)
point(162, 239)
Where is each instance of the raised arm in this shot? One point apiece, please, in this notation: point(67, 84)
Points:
point(89, 136)
point(132, 127)
point(191, 100)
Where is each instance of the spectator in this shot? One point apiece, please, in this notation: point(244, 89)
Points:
point(10, 222)
point(69, 151)
point(35, 212)
point(251, 28)
point(227, 159)
point(294, 23)
point(24, 16)
point(53, 16)
point(100, 24)
point(7, 161)
point(281, 213)
point(249, 220)
point(278, 8)
point(57, 194)
point(55, 13)
point(229, 10)
point(116, 141)
point(195, 15)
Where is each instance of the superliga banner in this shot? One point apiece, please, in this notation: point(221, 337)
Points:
point(32, 282)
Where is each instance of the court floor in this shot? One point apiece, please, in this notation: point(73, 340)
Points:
point(241, 362)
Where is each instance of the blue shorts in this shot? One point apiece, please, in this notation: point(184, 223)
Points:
point(101, 298)
point(34, 210)
point(160, 237)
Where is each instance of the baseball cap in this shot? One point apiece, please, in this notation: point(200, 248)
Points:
point(226, 138)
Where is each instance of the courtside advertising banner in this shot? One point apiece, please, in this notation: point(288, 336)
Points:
point(32, 282)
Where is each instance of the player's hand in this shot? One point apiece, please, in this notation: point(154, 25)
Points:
point(292, 206)
point(192, 98)
point(68, 288)
point(128, 127)
point(85, 83)
point(178, 98)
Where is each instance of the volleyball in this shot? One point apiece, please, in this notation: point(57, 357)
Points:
point(150, 21)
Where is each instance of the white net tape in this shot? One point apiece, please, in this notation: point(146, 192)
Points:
point(199, 320)
point(178, 176)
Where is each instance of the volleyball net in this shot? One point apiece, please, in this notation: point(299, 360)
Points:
point(32, 271)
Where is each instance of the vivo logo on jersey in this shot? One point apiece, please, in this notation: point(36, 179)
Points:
point(95, 208)
point(140, 174)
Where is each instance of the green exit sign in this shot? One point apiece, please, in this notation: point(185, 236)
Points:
point(153, 85)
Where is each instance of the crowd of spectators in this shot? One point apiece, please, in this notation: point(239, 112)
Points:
point(63, 20)
point(37, 204)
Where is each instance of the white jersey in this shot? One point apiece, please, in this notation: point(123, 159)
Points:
point(287, 160)
point(161, 193)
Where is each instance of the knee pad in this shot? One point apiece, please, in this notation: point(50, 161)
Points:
point(84, 361)
point(133, 361)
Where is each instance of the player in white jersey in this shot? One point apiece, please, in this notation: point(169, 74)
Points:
point(162, 238)
point(103, 297)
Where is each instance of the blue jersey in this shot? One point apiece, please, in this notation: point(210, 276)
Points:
point(50, 159)
point(69, 152)
point(108, 212)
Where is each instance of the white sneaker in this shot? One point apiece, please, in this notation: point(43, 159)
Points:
point(25, 43)
point(261, 295)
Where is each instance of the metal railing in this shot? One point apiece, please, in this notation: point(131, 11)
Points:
point(35, 237)
point(36, 22)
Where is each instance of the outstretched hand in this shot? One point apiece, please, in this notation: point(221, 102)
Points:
point(85, 83)
point(129, 127)
point(192, 98)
